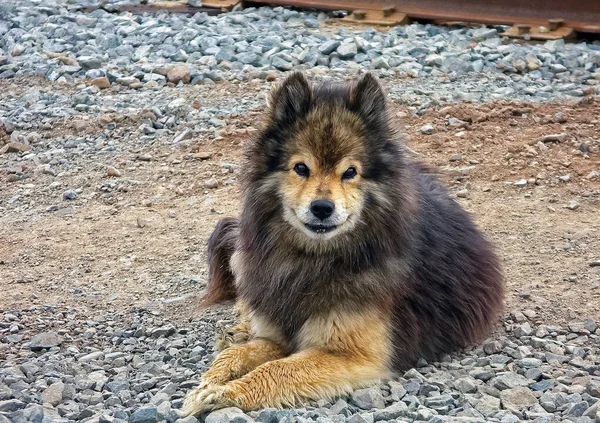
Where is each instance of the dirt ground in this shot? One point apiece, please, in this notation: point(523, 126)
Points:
point(142, 243)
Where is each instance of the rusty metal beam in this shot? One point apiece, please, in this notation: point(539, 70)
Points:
point(211, 7)
point(580, 15)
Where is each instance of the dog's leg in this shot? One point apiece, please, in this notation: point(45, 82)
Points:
point(238, 334)
point(308, 375)
point(231, 364)
point(337, 353)
point(233, 335)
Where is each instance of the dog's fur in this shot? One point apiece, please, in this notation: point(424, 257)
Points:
point(404, 275)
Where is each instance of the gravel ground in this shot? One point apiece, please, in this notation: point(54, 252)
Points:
point(64, 365)
point(87, 101)
point(61, 43)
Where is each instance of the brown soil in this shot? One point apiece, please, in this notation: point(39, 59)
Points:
point(142, 243)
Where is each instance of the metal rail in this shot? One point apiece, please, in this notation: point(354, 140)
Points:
point(579, 15)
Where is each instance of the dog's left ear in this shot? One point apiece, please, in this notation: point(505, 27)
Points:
point(291, 100)
point(368, 99)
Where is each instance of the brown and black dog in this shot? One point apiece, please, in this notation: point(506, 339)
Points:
point(349, 262)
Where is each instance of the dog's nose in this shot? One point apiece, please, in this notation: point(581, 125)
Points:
point(322, 209)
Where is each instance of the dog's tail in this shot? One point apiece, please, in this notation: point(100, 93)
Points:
point(221, 245)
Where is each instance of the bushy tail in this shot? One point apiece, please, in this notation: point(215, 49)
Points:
point(221, 245)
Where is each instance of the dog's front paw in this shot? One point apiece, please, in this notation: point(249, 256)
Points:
point(236, 335)
point(206, 397)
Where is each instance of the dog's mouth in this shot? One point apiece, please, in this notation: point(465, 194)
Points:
point(320, 228)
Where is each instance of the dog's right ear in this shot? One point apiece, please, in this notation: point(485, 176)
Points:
point(291, 100)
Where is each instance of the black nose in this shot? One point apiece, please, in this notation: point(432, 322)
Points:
point(322, 208)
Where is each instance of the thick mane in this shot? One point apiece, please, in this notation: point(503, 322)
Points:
point(392, 189)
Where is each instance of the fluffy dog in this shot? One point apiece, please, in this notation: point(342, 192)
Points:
point(350, 261)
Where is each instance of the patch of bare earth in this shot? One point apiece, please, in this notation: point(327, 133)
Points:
point(140, 241)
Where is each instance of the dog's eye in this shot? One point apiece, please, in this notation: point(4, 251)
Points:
point(302, 170)
point(349, 173)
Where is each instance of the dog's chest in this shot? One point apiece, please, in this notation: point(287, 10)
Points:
point(287, 292)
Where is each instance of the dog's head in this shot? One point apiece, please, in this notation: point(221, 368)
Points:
point(325, 151)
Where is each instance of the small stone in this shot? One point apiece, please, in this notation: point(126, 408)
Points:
point(45, 340)
point(590, 325)
point(148, 130)
point(584, 148)
point(578, 327)
point(11, 405)
point(517, 399)
point(145, 157)
point(127, 80)
point(211, 183)
point(510, 380)
point(69, 195)
point(434, 60)
point(397, 390)
point(98, 355)
point(427, 129)
point(557, 68)
point(89, 62)
point(15, 147)
point(392, 412)
point(542, 385)
point(520, 65)
point(186, 134)
point(520, 183)
point(165, 331)
point(311, 23)
point(53, 394)
point(368, 398)
point(523, 330)
point(144, 415)
point(484, 33)
point(117, 386)
point(528, 363)
point(554, 137)
point(466, 385)
point(463, 193)
point(233, 414)
point(203, 155)
point(573, 205)
point(101, 82)
point(281, 64)
point(329, 47)
point(593, 411)
point(565, 178)
point(439, 401)
point(487, 404)
point(380, 63)
point(577, 409)
point(492, 347)
point(112, 171)
point(175, 74)
point(456, 158)
point(347, 50)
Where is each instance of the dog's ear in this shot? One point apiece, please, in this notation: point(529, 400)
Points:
point(291, 100)
point(368, 99)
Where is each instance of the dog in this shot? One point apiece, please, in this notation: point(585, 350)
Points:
point(350, 260)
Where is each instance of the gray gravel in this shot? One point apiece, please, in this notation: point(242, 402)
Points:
point(60, 43)
point(64, 365)
point(61, 366)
